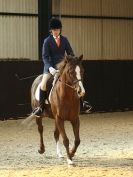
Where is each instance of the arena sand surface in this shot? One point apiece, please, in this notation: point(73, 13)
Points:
point(106, 148)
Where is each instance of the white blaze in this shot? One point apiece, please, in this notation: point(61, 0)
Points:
point(78, 75)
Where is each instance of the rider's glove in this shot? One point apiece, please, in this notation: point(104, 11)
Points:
point(53, 71)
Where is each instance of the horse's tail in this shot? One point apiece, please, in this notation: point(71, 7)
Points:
point(34, 102)
point(29, 119)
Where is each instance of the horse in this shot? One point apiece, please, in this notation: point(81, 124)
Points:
point(64, 104)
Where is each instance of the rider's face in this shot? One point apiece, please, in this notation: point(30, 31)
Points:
point(56, 32)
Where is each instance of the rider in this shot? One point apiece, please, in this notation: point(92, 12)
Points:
point(54, 48)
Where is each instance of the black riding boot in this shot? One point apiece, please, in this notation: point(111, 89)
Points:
point(39, 110)
point(85, 106)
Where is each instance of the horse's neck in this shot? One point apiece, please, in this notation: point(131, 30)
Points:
point(64, 94)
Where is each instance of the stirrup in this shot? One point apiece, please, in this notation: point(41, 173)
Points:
point(88, 110)
point(37, 111)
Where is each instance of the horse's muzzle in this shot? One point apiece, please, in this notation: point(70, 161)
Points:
point(80, 92)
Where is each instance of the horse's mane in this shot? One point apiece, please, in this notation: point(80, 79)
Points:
point(67, 59)
point(61, 65)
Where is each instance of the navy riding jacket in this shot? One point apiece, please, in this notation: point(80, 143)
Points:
point(52, 54)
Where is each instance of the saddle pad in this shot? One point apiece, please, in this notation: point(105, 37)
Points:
point(37, 92)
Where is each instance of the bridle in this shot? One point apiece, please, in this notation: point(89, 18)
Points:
point(73, 85)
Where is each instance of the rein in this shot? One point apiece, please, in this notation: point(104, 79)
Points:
point(72, 87)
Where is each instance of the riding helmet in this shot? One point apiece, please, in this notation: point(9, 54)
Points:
point(55, 24)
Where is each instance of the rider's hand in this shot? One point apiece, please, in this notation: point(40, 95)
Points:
point(53, 71)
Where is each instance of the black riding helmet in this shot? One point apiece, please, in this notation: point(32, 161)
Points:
point(55, 24)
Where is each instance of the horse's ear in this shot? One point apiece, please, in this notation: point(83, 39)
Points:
point(81, 57)
point(65, 58)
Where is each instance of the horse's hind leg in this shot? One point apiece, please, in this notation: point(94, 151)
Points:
point(60, 126)
point(75, 125)
point(40, 130)
point(56, 136)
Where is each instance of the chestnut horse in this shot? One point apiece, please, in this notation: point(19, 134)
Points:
point(64, 103)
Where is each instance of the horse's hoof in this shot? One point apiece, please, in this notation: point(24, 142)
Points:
point(41, 151)
point(60, 155)
point(70, 162)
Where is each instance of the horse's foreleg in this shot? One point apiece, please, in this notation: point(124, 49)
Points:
point(75, 125)
point(56, 136)
point(60, 126)
point(40, 130)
